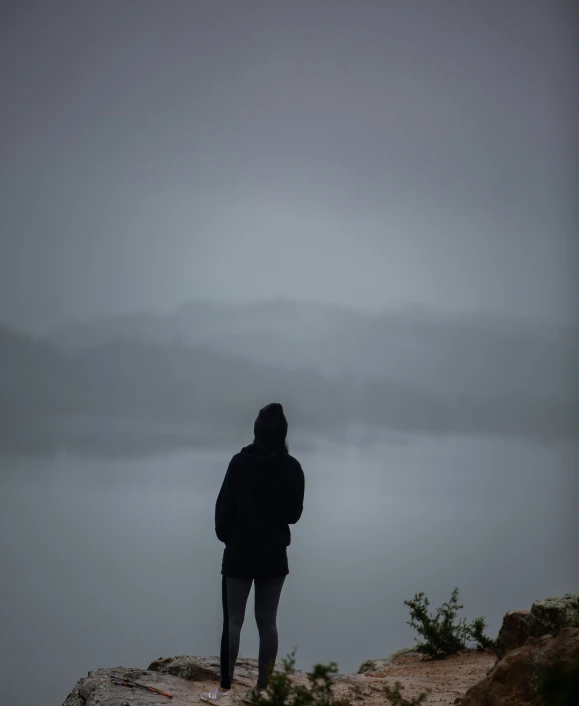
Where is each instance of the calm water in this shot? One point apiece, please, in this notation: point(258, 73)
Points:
point(113, 561)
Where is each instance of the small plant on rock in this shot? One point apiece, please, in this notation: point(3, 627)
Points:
point(443, 633)
point(281, 691)
point(476, 633)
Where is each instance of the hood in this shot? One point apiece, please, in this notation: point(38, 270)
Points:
point(271, 425)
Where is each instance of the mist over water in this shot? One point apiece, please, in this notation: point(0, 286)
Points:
point(113, 560)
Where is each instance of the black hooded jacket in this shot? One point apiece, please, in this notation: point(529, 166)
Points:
point(261, 495)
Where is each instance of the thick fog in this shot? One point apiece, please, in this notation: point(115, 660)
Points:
point(364, 210)
point(374, 154)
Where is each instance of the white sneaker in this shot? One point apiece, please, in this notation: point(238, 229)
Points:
point(218, 697)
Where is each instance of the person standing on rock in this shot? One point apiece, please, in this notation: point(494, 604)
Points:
point(261, 495)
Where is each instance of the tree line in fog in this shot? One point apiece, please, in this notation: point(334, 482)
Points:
point(176, 383)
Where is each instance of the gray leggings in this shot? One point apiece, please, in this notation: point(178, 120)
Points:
point(234, 598)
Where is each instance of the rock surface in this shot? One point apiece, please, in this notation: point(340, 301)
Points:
point(375, 665)
point(444, 681)
point(186, 677)
point(546, 617)
point(514, 631)
point(207, 668)
point(514, 680)
point(97, 689)
point(183, 676)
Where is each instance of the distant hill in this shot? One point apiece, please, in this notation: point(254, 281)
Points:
point(131, 379)
point(449, 355)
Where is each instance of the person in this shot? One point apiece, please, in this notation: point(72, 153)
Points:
point(261, 495)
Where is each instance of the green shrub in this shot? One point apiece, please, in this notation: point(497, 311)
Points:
point(476, 634)
point(281, 691)
point(443, 633)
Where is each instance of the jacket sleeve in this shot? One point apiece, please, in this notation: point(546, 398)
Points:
point(226, 506)
point(294, 495)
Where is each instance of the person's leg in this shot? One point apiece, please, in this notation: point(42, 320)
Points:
point(267, 593)
point(234, 594)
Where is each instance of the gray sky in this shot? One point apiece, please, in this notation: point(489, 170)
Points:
point(373, 153)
